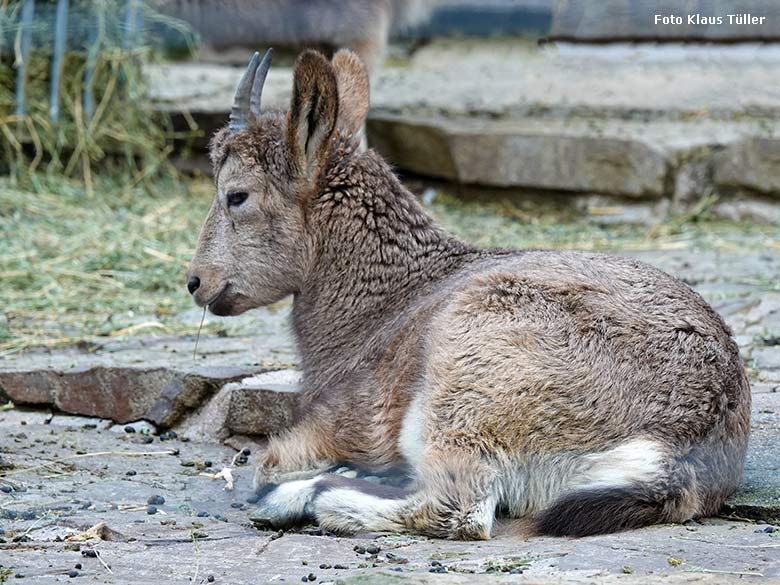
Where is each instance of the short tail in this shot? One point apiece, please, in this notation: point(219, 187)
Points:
point(586, 512)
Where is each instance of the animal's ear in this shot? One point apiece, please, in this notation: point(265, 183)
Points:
point(352, 79)
point(313, 112)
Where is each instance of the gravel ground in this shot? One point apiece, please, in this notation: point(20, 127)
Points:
point(159, 519)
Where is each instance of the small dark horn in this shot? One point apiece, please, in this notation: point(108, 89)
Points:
point(257, 84)
point(239, 113)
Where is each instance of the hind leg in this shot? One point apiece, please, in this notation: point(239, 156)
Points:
point(454, 498)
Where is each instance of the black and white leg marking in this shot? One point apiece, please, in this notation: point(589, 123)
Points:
point(340, 503)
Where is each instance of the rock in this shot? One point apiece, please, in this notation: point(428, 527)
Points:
point(119, 393)
point(752, 163)
point(188, 390)
point(560, 156)
point(748, 208)
point(263, 404)
point(692, 181)
point(139, 426)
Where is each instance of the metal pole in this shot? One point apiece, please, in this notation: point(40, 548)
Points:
point(92, 49)
point(131, 24)
point(28, 11)
point(60, 39)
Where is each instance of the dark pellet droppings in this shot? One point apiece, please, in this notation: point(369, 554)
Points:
point(88, 552)
point(372, 549)
point(311, 577)
point(236, 505)
point(210, 578)
point(73, 573)
point(202, 514)
point(147, 439)
point(7, 489)
point(77, 566)
point(131, 472)
point(246, 452)
point(151, 510)
point(129, 429)
point(324, 566)
point(156, 500)
point(241, 460)
point(207, 463)
point(359, 549)
point(340, 567)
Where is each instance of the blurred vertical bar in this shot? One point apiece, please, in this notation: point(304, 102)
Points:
point(92, 49)
point(28, 11)
point(60, 39)
point(131, 24)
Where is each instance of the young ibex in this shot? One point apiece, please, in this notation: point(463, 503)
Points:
point(584, 393)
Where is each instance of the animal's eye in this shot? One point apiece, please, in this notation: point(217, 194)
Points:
point(236, 198)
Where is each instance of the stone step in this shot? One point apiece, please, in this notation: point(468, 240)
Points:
point(152, 378)
point(650, 124)
point(513, 78)
point(612, 156)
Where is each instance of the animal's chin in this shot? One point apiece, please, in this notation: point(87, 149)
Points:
point(227, 303)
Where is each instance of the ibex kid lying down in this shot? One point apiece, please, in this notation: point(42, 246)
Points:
point(584, 393)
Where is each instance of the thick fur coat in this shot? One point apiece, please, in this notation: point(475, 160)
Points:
point(584, 393)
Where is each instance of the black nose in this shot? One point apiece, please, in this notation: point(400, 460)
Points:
point(193, 284)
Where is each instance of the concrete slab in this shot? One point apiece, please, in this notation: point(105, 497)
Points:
point(515, 78)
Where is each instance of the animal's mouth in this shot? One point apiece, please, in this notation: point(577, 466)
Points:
point(219, 304)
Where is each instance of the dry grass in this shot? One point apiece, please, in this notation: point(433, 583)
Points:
point(73, 267)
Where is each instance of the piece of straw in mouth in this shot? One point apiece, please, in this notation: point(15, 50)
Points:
point(197, 337)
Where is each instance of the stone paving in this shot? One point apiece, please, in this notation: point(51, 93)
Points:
point(61, 475)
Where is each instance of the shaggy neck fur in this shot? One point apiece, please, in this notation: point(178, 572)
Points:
point(376, 250)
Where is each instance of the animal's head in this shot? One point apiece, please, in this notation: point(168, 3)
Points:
point(255, 246)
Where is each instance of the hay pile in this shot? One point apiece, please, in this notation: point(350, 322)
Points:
point(123, 137)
